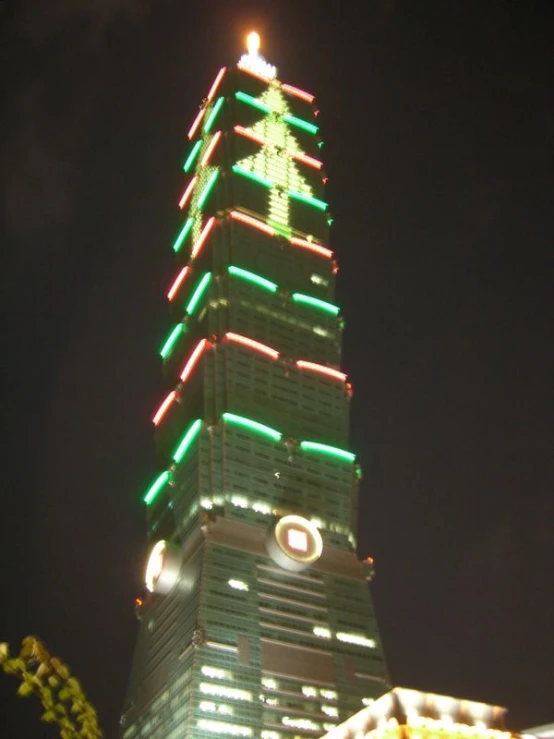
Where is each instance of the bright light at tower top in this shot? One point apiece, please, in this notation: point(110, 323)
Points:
point(253, 43)
point(253, 61)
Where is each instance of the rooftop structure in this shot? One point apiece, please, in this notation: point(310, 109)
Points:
point(403, 713)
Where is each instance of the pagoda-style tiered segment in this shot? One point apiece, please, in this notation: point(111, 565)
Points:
point(258, 621)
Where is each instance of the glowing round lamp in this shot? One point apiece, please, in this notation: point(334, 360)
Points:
point(163, 567)
point(295, 543)
point(253, 43)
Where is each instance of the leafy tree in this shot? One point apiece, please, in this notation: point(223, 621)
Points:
point(61, 695)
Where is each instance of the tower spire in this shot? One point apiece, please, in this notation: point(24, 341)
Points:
point(253, 43)
point(253, 61)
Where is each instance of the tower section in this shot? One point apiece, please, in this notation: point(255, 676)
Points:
point(258, 620)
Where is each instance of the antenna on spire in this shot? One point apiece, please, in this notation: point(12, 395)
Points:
point(253, 43)
point(253, 61)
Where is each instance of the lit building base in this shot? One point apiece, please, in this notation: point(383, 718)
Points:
point(411, 714)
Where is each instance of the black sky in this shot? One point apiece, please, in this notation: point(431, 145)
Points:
point(438, 120)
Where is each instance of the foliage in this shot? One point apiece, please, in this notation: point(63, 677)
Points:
point(61, 695)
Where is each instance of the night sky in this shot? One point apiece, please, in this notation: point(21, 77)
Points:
point(438, 122)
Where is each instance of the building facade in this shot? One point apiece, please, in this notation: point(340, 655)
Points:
point(258, 620)
point(403, 713)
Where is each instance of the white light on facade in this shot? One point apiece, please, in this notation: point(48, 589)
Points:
point(260, 507)
point(358, 639)
point(300, 723)
point(225, 692)
point(238, 584)
point(162, 568)
point(216, 672)
point(297, 540)
point(322, 632)
point(318, 280)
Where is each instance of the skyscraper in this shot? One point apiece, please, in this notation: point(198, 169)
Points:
point(258, 620)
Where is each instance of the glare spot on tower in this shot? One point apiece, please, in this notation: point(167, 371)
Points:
point(253, 43)
point(253, 61)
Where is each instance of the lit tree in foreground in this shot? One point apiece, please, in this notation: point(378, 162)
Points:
point(60, 694)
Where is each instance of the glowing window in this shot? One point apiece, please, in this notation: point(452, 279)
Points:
point(357, 639)
point(216, 672)
point(238, 584)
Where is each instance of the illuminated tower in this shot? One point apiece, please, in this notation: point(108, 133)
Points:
point(258, 622)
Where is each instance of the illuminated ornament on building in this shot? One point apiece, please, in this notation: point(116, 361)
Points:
point(205, 181)
point(295, 543)
point(253, 61)
point(274, 162)
point(404, 713)
point(162, 569)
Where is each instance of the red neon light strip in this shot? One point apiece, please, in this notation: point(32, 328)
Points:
point(160, 413)
point(216, 82)
point(188, 192)
point(321, 369)
point(298, 93)
point(254, 74)
point(313, 247)
point(310, 161)
point(254, 222)
point(249, 135)
point(196, 123)
point(211, 147)
point(200, 348)
point(256, 345)
point(294, 240)
point(202, 238)
point(177, 284)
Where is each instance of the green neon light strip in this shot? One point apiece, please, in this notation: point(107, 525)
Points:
point(192, 156)
point(211, 182)
point(171, 339)
point(252, 425)
point(299, 123)
point(252, 176)
point(251, 277)
point(213, 115)
point(186, 441)
point(321, 204)
point(198, 293)
point(157, 485)
point(330, 451)
point(292, 119)
point(316, 303)
point(243, 97)
point(183, 235)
